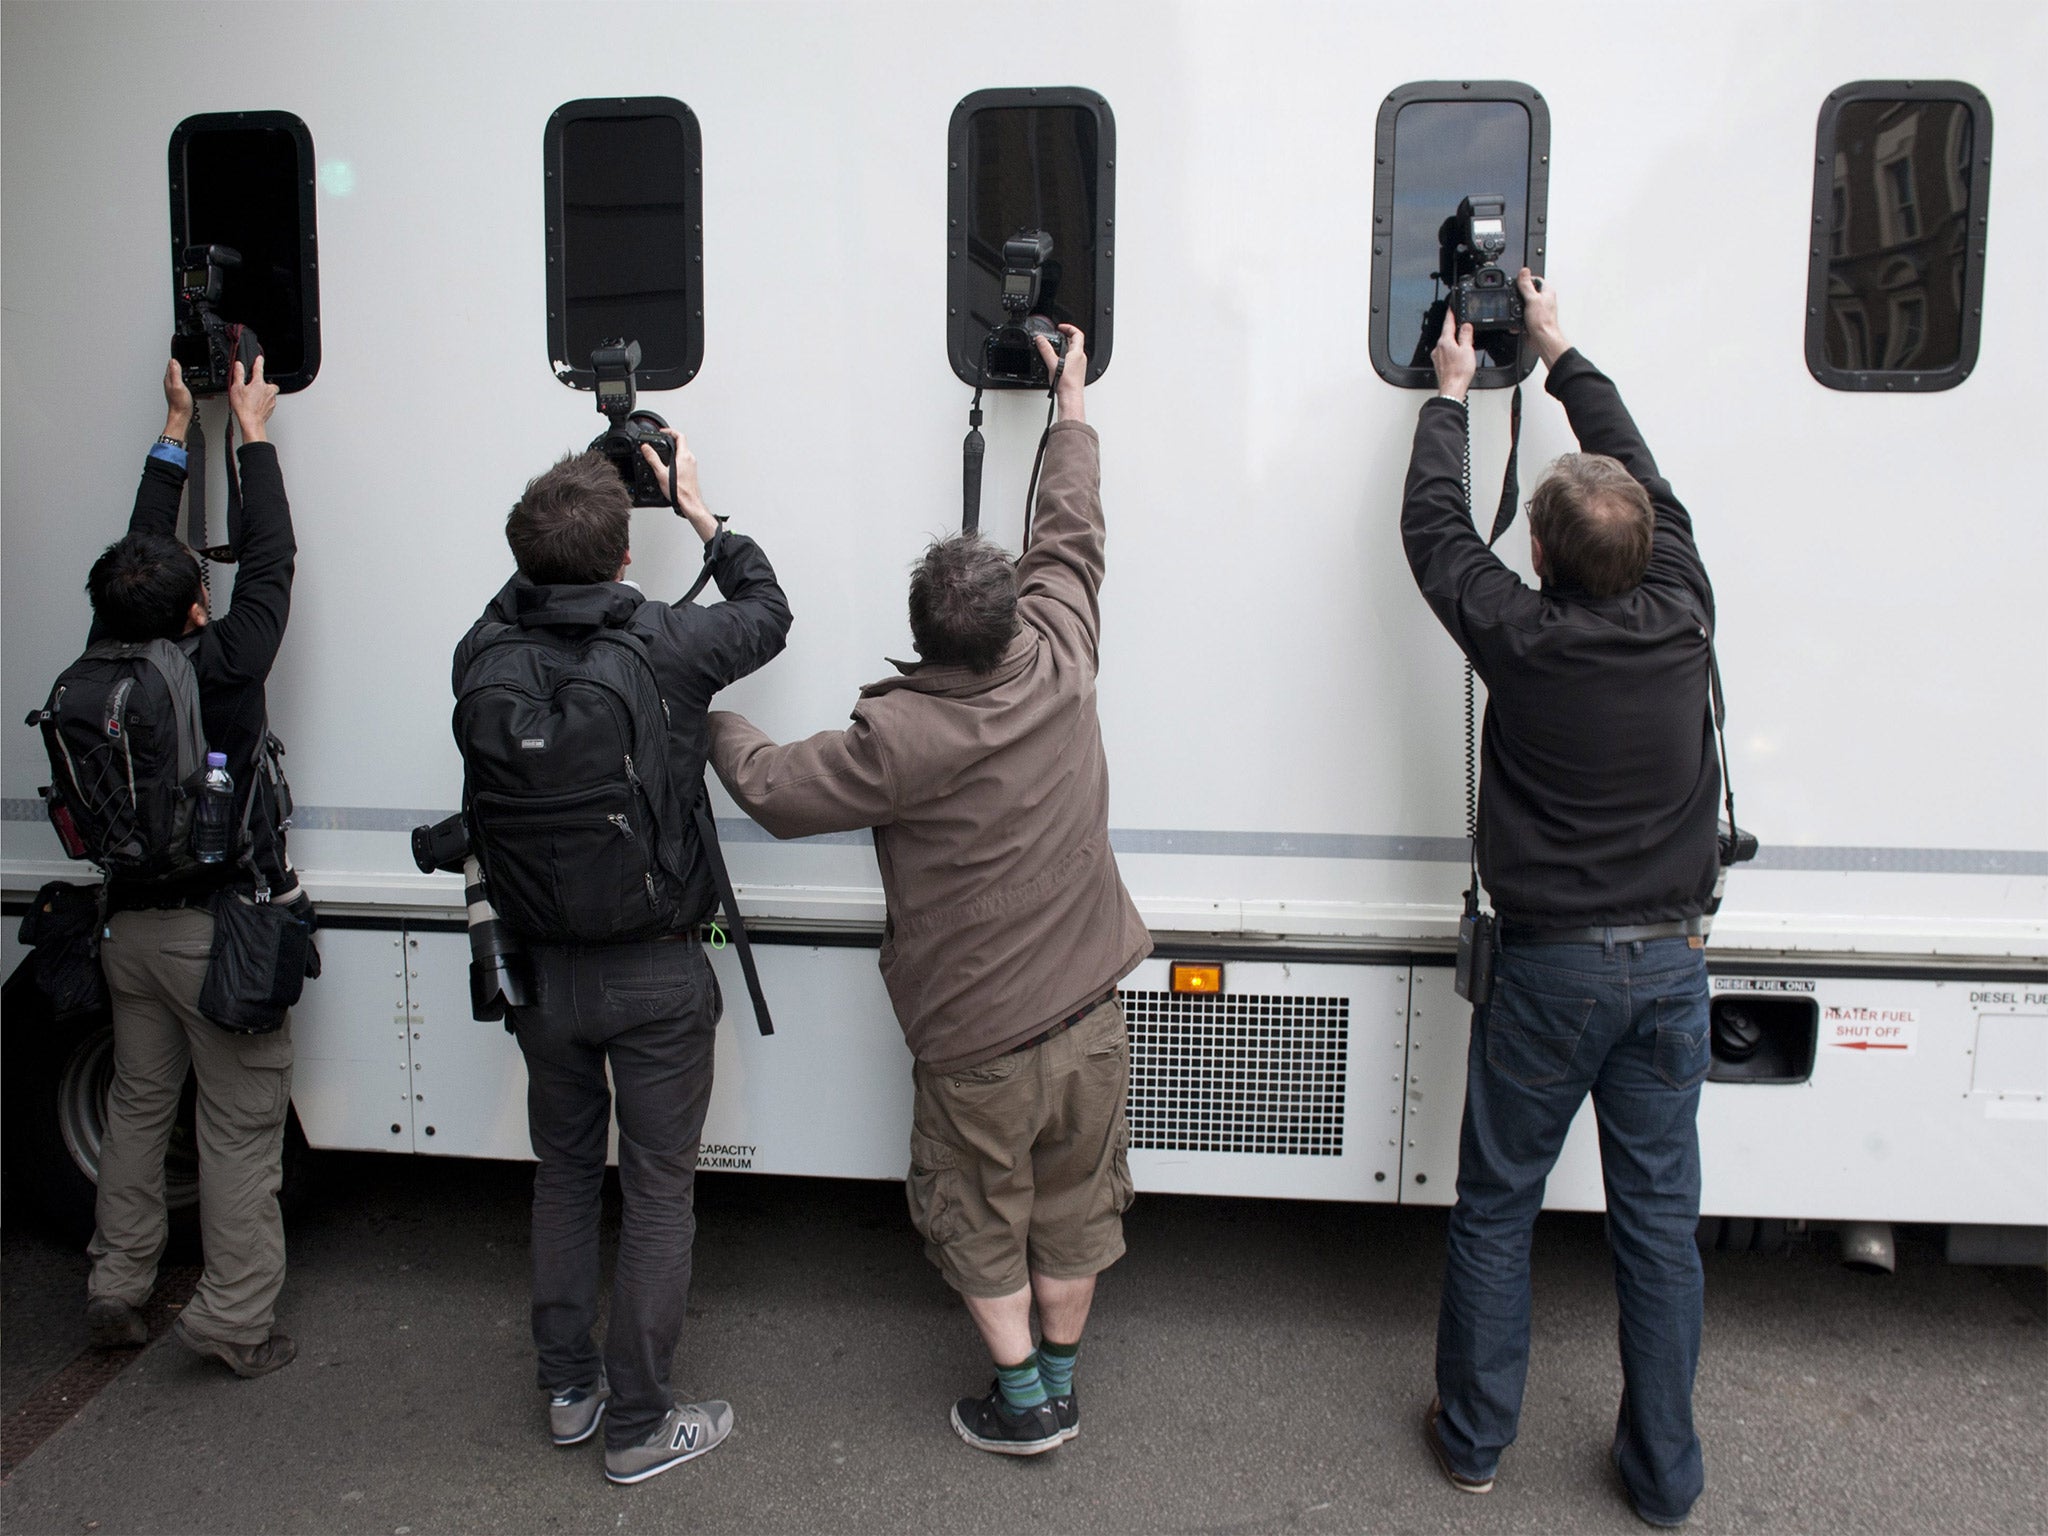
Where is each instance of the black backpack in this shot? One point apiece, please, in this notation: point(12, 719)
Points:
point(578, 824)
point(127, 757)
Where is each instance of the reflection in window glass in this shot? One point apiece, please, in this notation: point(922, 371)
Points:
point(1899, 235)
point(1445, 151)
point(1032, 168)
point(625, 224)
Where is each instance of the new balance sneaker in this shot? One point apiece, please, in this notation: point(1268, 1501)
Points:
point(991, 1424)
point(1067, 1409)
point(1452, 1475)
point(112, 1324)
point(690, 1430)
point(273, 1354)
point(575, 1412)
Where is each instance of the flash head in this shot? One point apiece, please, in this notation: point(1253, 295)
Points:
point(615, 364)
point(1484, 222)
point(199, 275)
point(1024, 257)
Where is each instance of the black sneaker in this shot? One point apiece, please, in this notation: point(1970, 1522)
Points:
point(1067, 1409)
point(1452, 1475)
point(112, 1324)
point(991, 1424)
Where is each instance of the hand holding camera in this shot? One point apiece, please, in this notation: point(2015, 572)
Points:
point(678, 482)
point(177, 402)
point(1455, 357)
point(1539, 317)
point(1073, 346)
point(251, 398)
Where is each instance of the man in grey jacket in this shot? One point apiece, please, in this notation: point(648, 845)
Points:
point(981, 770)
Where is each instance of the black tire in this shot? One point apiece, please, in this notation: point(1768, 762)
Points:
point(56, 1071)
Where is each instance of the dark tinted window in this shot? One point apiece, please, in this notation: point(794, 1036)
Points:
point(1439, 144)
point(245, 180)
point(1896, 266)
point(625, 236)
point(1031, 160)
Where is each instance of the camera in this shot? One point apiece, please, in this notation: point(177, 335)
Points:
point(1010, 355)
point(1471, 243)
point(498, 972)
point(205, 345)
point(617, 364)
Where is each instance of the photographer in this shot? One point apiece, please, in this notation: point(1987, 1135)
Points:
point(981, 770)
point(597, 866)
point(1596, 843)
point(157, 941)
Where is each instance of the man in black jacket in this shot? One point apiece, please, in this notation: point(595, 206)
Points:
point(1597, 847)
point(647, 1009)
point(155, 947)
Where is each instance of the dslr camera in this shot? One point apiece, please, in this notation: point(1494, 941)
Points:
point(1471, 242)
point(617, 365)
point(499, 972)
point(205, 345)
point(1010, 356)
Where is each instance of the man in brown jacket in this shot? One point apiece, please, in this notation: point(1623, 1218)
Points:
point(981, 770)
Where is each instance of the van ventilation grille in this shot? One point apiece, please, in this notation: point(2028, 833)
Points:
point(1242, 1072)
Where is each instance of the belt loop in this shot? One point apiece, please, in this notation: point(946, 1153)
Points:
point(1607, 944)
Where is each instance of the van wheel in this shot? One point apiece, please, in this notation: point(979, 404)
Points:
point(56, 1073)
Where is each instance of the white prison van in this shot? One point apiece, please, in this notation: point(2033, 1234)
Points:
point(1773, 225)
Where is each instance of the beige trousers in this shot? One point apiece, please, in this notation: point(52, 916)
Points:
point(155, 963)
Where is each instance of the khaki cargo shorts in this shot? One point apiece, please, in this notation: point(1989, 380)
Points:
point(1021, 1164)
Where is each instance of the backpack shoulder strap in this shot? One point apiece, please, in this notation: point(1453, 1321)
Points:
point(707, 834)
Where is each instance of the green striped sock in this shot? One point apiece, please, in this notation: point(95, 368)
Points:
point(1056, 1366)
point(1020, 1384)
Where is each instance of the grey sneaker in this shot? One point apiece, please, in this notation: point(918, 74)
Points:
point(575, 1412)
point(690, 1430)
point(1458, 1480)
point(112, 1324)
point(273, 1354)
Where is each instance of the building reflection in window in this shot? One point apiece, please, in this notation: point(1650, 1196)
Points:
point(1896, 258)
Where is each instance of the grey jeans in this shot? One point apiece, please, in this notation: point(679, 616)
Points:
point(155, 963)
point(650, 1011)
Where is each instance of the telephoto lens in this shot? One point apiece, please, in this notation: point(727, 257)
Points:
point(498, 972)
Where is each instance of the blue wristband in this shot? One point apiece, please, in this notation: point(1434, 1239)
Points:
point(170, 453)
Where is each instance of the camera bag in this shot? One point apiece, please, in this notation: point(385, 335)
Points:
point(577, 822)
point(62, 926)
point(127, 751)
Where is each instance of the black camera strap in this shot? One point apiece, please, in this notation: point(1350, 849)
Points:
point(1717, 710)
point(974, 447)
point(707, 834)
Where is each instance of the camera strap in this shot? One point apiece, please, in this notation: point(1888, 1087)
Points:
point(1717, 711)
point(971, 451)
point(707, 835)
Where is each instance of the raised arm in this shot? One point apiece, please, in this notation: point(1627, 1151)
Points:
point(163, 472)
point(1603, 425)
point(835, 781)
point(248, 635)
point(730, 639)
point(1060, 575)
point(1464, 582)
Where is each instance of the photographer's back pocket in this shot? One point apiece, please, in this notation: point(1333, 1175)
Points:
point(1532, 1036)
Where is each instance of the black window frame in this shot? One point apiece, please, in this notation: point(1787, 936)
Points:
point(1490, 376)
point(966, 359)
point(1971, 310)
point(293, 381)
point(579, 376)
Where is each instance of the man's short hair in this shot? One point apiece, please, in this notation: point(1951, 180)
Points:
point(1594, 521)
point(143, 587)
point(963, 602)
point(574, 523)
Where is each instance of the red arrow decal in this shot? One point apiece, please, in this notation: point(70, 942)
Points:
point(1865, 1045)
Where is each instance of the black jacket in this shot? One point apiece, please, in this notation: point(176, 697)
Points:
point(695, 650)
point(1599, 781)
point(235, 652)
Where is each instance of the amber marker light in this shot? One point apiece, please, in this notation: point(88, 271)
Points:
point(1197, 978)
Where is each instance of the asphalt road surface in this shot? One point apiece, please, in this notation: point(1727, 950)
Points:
point(1252, 1366)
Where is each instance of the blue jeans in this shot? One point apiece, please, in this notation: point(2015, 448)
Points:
point(1627, 1023)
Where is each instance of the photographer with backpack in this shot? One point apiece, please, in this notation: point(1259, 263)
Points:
point(128, 727)
point(580, 713)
